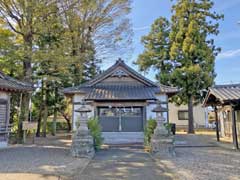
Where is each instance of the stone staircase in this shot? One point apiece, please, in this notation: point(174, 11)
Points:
point(123, 137)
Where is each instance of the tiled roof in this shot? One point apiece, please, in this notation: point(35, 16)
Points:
point(77, 89)
point(146, 89)
point(84, 89)
point(121, 92)
point(120, 63)
point(223, 93)
point(8, 83)
point(168, 89)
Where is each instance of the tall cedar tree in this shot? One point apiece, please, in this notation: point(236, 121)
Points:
point(183, 50)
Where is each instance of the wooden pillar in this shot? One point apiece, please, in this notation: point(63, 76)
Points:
point(217, 123)
point(167, 110)
point(144, 108)
point(234, 129)
point(73, 122)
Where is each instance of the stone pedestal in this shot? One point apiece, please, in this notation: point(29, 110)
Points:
point(82, 141)
point(82, 144)
point(163, 145)
point(162, 142)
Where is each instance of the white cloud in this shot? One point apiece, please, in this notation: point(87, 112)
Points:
point(141, 28)
point(229, 54)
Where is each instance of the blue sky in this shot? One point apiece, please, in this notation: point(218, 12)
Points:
point(144, 12)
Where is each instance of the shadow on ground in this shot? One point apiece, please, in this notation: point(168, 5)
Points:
point(200, 157)
point(48, 158)
point(124, 163)
point(197, 157)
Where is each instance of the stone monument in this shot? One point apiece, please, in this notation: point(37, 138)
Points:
point(82, 141)
point(162, 140)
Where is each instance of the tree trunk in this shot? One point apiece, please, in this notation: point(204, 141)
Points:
point(39, 123)
point(27, 72)
point(45, 113)
point(69, 125)
point(190, 116)
point(45, 116)
point(24, 112)
point(67, 118)
point(40, 112)
point(54, 123)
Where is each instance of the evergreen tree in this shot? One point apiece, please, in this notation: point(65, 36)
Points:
point(184, 51)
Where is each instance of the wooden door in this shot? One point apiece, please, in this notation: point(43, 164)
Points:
point(121, 119)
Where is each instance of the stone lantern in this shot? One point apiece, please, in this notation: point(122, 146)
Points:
point(162, 141)
point(82, 141)
point(160, 129)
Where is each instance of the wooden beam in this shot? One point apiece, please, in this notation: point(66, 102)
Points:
point(167, 110)
point(234, 129)
point(120, 104)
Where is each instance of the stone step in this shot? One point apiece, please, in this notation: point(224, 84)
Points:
point(3, 144)
point(123, 137)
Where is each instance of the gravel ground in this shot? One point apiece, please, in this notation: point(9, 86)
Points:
point(124, 163)
point(49, 160)
point(202, 162)
point(198, 157)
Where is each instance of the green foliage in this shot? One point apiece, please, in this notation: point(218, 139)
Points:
point(149, 130)
point(96, 132)
point(183, 50)
point(10, 58)
point(168, 126)
point(60, 126)
point(59, 44)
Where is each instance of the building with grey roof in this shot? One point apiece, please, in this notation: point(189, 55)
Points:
point(123, 100)
point(226, 101)
point(8, 85)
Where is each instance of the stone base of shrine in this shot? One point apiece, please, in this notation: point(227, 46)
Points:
point(3, 144)
point(163, 145)
point(82, 145)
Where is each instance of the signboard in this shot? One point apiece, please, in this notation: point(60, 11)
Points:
point(29, 125)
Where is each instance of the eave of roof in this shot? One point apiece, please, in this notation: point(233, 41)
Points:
point(10, 84)
point(169, 89)
point(223, 94)
point(119, 92)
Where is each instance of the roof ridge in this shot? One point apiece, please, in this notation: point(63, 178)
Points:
point(1, 74)
point(120, 62)
point(227, 85)
point(7, 77)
